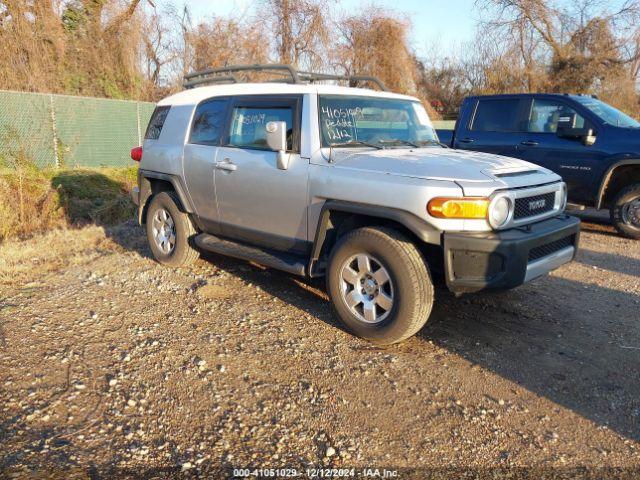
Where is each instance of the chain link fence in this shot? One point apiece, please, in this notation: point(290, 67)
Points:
point(68, 131)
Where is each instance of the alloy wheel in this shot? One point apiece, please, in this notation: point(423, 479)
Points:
point(164, 232)
point(366, 288)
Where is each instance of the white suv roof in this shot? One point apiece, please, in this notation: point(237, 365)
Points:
point(196, 95)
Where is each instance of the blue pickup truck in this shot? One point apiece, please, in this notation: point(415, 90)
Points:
point(591, 145)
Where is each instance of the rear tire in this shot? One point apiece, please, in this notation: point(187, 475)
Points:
point(380, 285)
point(625, 211)
point(170, 231)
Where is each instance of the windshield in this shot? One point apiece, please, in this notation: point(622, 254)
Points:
point(351, 121)
point(607, 113)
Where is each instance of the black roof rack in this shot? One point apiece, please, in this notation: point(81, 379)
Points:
point(225, 75)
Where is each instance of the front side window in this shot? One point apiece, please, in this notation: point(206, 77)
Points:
point(607, 113)
point(545, 114)
point(157, 122)
point(499, 115)
point(208, 122)
point(248, 126)
point(353, 121)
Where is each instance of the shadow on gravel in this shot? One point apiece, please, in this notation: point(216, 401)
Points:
point(577, 345)
point(608, 261)
point(600, 229)
point(6, 307)
point(557, 338)
point(130, 236)
point(306, 294)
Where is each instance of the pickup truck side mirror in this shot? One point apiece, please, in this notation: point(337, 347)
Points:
point(566, 123)
point(589, 138)
point(567, 129)
point(277, 141)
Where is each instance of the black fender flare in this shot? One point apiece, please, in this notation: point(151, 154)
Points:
point(145, 190)
point(421, 229)
point(607, 176)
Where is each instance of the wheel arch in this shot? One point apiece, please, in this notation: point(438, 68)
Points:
point(339, 217)
point(618, 176)
point(151, 183)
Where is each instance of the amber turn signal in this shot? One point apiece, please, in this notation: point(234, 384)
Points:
point(466, 207)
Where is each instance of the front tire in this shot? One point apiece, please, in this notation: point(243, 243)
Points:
point(379, 285)
point(169, 231)
point(625, 211)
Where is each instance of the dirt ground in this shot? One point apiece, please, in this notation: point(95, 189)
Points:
point(113, 366)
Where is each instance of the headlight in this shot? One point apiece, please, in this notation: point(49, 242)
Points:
point(563, 201)
point(499, 211)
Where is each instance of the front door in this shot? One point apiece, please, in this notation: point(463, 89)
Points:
point(200, 157)
point(570, 158)
point(259, 203)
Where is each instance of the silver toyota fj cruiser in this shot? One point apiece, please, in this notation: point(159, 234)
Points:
point(347, 183)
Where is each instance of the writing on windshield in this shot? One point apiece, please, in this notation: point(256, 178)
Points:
point(358, 121)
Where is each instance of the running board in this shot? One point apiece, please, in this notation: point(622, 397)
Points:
point(575, 206)
point(269, 258)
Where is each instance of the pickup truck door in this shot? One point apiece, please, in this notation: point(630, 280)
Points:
point(493, 125)
point(200, 156)
point(570, 158)
point(259, 203)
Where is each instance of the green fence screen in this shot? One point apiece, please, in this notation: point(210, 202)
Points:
point(67, 131)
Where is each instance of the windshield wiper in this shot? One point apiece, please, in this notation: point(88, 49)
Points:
point(416, 144)
point(356, 142)
point(434, 142)
point(398, 140)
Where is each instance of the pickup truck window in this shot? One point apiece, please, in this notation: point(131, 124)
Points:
point(496, 115)
point(346, 120)
point(607, 113)
point(544, 116)
point(248, 126)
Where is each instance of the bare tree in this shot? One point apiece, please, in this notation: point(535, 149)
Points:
point(583, 46)
point(300, 29)
point(375, 43)
point(226, 41)
point(29, 61)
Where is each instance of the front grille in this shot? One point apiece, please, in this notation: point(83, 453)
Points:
point(532, 206)
point(552, 247)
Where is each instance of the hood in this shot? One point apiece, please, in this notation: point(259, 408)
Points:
point(461, 166)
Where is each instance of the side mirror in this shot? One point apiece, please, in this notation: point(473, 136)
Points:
point(277, 141)
point(589, 139)
point(567, 129)
point(566, 123)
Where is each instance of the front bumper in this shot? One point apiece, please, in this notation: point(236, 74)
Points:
point(506, 259)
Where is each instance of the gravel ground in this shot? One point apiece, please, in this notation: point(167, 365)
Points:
point(111, 365)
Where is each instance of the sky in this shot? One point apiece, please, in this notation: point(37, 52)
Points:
point(445, 23)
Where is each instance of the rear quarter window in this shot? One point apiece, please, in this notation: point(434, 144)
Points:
point(208, 122)
point(500, 115)
point(157, 122)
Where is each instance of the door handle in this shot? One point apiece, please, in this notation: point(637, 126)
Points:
point(466, 140)
point(226, 165)
point(529, 143)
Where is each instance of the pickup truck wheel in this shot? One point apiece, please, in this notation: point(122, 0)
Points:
point(379, 285)
point(625, 211)
point(169, 231)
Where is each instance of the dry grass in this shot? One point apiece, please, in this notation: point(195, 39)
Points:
point(28, 204)
point(34, 201)
point(62, 247)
